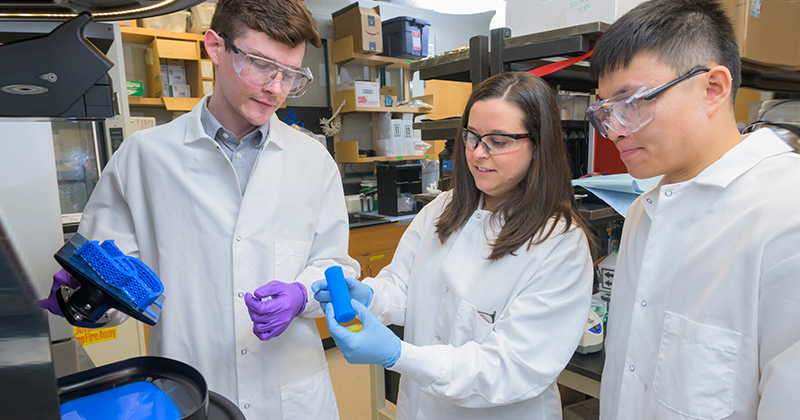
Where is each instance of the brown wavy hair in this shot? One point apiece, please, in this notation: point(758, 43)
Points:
point(286, 21)
point(544, 195)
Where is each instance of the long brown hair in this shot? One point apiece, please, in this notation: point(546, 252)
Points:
point(286, 21)
point(545, 193)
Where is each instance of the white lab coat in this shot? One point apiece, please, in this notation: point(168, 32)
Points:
point(170, 197)
point(454, 363)
point(704, 309)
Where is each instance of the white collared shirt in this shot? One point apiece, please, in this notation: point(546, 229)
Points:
point(704, 310)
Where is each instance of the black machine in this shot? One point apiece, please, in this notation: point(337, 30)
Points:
point(55, 70)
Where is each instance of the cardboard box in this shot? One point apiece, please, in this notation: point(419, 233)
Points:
point(365, 93)
point(526, 17)
point(180, 91)
point(134, 87)
point(208, 87)
point(363, 24)
point(408, 134)
point(389, 95)
point(176, 72)
point(767, 31)
point(206, 69)
point(398, 138)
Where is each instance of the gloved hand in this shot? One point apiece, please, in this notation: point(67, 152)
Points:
point(358, 291)
point(62, 278)
point(375, 344)
point(272, 317)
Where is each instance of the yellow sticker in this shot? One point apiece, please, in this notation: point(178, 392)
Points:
point(88, 336)
point(356, 327)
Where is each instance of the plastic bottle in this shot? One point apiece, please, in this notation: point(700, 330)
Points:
point(340, 295)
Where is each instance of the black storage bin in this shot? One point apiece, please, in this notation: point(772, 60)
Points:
point(405, 37)
point(395, 179)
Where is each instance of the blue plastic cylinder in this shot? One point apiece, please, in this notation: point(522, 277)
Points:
point(340, 295)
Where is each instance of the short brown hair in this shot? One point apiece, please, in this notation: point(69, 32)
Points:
point(544, 196)
point(286, 21)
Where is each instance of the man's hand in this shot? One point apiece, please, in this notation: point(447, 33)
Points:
point(271, 317)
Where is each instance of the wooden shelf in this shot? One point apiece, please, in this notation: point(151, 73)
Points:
point(403, 109)
point(138, 35)
point(342, 53)
point(347, 152)
point(171, 104)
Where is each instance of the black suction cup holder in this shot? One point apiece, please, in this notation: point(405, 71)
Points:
point(87, 306)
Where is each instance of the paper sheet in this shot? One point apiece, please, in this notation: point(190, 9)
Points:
point(618, 191)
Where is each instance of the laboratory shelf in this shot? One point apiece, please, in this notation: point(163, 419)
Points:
point(770, 78)
point(342, 52)
point(468, 65)
point(445, 129)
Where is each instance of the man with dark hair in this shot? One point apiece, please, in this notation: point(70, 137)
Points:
point(704, 306)
point(229, 206)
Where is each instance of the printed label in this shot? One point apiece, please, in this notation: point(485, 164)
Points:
point(416, 40)
point(88, 336)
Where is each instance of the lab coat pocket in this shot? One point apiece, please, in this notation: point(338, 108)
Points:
point(696, 368)
point(290, 258)
point(469, 325)
point(311, 398)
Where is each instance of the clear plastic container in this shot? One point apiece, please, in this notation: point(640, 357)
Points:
point(175, 22)
point(200, 19)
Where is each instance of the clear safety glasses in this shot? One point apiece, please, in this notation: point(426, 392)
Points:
point(260, 71)
point(494, 143)
point(629, 111)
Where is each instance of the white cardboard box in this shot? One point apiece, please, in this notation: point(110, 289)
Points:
point(367, 93)
point(180, 91)
point(533, 16)
point(408, 134)
point(176, 72)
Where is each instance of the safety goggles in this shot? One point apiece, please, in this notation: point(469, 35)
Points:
point(494, 143)
point(629, 111)
point(264, 71)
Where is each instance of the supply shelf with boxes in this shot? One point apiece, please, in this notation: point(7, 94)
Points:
point(176, 73)
point(359, 41)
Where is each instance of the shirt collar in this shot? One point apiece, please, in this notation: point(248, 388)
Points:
point(212, 128)
point(741, 158)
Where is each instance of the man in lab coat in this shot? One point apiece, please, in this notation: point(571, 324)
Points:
point(704, 306)
point(229, 205)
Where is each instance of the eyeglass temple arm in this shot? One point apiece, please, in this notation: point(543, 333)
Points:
point(650, 94)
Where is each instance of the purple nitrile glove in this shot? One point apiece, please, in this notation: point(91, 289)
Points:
point(272, 317)
point(62, 278)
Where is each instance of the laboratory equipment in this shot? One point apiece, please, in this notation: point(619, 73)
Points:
point(593, 335)
point(340, 296)
point(108, 279)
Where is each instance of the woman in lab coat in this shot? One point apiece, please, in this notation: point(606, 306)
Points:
point(492, 280)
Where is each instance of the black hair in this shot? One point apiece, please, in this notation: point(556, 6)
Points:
point(682, 34)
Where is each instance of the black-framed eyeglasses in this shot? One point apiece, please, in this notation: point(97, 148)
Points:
point(494, 143)
point(260, 71)
point(629, 111)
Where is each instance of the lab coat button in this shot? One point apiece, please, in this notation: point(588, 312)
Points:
point(438, 338)
point(244, 351)
point(246, 406)
point(446, 289)
point(644, 303)
point(225, 135)
point(632, 368)
point(241, 294)
point(668, 193)
point(650, 201)
point(238, 239)
point(239, 155)
point(478, 216)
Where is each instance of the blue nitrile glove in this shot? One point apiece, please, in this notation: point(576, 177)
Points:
point(62, 278)
point(272, 317)
point(358, 291)
point(375, 344)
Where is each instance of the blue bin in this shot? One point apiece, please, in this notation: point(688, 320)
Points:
point(405, 37)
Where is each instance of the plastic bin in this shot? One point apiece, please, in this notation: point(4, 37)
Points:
point(175, 22)
point(405, 37)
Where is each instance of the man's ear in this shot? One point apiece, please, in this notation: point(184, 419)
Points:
point(214, 45)
point(718, 89)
